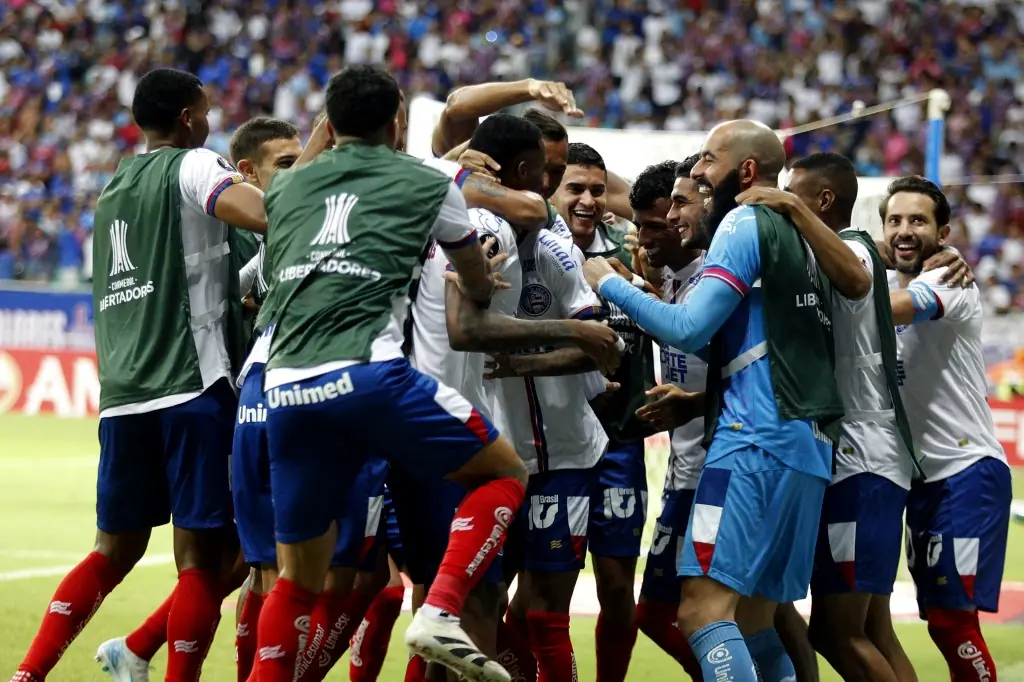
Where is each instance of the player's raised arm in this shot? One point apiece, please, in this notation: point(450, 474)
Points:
point(730, 270)
point(522, 208)
point(837, 260)
point(466, 105)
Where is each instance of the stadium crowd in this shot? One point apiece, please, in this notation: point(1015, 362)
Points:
point(69, 70)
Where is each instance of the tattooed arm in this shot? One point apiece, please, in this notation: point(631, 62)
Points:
point(519, 208)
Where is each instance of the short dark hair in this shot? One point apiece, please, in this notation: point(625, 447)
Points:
point(503, 138)
point(361, 100)
point(838, 174)
point(551, 129)
point(248, 140)
point(918, 185)
point(581, 154)
point(685, 166)
point(160, 97)
point(653, 183)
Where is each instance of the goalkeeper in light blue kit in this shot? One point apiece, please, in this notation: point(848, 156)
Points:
point(761, 315)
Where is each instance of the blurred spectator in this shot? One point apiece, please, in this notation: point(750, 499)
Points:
point(70, 68)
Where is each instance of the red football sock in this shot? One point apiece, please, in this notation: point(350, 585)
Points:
point(478, 532)
point(657, 620)
point(283, 619)
point(370, 643)
point(192, 622)
point(514, 652)
point(77, 598)
point(335, 617)
point(549, 639)
point(957, 634)
point(152, 634)
point(245, 635)
point(614, 648)
point(416, 671)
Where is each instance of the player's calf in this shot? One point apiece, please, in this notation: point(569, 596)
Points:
point(615, 634)
point(958, 636)
point(838, 633)
point(880, 631)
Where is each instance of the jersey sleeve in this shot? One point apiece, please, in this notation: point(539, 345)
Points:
point(561, 266)
point(453, 170)
point(934, 300)
point(735, 253)
point(203, 176)
point(452, 228)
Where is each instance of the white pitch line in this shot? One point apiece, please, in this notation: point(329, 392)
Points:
point(49, 571)
point(38, 554)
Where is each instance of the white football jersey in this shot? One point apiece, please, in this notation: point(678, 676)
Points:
point(869, 441)
point(548, 419)
point(942, 381)
point(431, 352)
point(690, 373)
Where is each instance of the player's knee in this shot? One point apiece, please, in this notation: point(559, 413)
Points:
point(705, 601)
point(617, 601)
point(123, 550)
point(946, 623)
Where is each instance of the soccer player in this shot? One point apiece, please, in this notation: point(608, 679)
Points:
point(958, 518)
point(167, 333)
point(259, 148)
point(859, 538)
point(756, 507)
point(444, 328)
point(617, 521)
point(552, 424)
point(345, 234)
point(667, 212)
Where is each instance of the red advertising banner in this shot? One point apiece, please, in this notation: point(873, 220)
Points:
point(64, 383)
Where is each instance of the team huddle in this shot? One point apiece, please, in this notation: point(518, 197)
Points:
point(442, 370)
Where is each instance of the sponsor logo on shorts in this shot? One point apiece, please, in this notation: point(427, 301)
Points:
point(619, 503)
point(252, 415)
point(309, 395)
point(969, 652)
point(502, 517)
point(543, 510)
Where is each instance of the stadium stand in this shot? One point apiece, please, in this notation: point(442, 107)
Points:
point(69, 70)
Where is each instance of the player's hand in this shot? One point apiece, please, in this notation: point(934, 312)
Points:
point(595, 269)
point(554, 96)
point(609, 218)
point(671, 407)
point(600, 342)
point(499, 366)
point(478, 162)
point(625, 272)
point(487, 245)
point(959, 272)
point(249, 304)
point(778, 200)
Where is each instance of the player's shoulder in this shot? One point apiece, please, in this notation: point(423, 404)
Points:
point(449, 168)
point(206, 159)
point(555, 253)
point(559, 227)
point(489, 223)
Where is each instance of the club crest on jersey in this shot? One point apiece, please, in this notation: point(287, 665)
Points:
point(223, 163)
point(900, 328)
point(535, 300)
